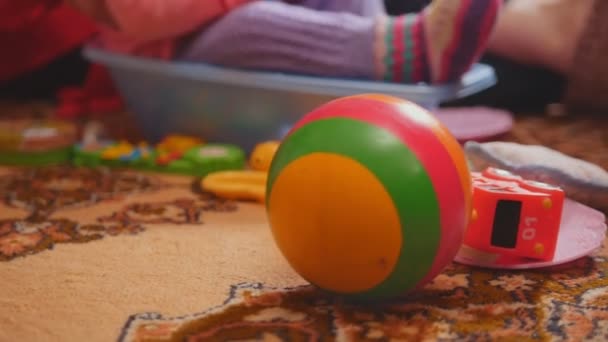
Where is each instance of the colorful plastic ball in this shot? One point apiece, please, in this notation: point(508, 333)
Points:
point(369, 196)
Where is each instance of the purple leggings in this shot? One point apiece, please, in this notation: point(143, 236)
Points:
point(316, 37)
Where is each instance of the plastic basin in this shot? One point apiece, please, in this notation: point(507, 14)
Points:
point(246, 107)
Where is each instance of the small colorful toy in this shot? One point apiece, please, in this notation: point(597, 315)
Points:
point(174, 147)
point(175, 154)
point(262, 155)
point(582, 231)
point(179, 143)
point(514, 216)
point(369, 196)
point(36, 142)
point(521, 224)
point(245, 184)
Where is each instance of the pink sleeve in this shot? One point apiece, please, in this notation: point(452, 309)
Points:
point(149, 20)
point(17, 15)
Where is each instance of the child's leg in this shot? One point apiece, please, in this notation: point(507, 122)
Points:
point(365, 8)
point(273, 35)
point(437, 45)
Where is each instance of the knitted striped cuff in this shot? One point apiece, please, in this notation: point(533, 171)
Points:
point(401, 49)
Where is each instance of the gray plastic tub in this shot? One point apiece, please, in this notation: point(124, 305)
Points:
point(246, 107)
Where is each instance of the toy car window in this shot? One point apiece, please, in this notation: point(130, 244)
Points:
point(506, 223)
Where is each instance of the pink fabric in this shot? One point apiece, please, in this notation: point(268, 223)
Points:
point(150, 27)
point(35, 32)
point(150, 20)
point(118, 42)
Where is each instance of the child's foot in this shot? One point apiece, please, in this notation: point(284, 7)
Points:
point(437, 45)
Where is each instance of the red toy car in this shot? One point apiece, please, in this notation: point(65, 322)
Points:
point(514, 216)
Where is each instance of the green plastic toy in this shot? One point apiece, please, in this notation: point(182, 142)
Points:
point(175, 154)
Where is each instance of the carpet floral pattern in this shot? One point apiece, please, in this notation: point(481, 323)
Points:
point(567, 303)
point(47, 191)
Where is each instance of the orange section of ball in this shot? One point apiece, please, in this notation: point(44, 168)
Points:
point(319, 244)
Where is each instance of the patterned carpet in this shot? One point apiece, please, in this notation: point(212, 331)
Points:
point(102, 255)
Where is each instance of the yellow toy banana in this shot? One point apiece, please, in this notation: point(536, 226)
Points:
point(245, 184)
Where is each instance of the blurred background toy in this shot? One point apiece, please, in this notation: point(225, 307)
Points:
point(262, 155)
point(36, 142)
point(244, 184)
point(175, 154)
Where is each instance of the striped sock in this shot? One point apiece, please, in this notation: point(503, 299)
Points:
point(437, 45)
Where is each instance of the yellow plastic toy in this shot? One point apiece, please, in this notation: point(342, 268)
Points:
point(237, 185)
point(245, 184)
point(178, 143)
point(262, 155)
point(124, 148)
